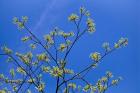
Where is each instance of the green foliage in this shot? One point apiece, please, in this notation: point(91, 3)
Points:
point(30, 68)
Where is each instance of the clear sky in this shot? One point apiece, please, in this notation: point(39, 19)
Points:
point(113, 18)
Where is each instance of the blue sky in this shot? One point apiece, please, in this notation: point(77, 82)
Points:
point(113, 18)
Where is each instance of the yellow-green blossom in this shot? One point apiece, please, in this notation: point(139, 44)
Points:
point(2, 91)
point(40, 87)
point(33, 46)
point(72, 85)
point(43, 57)
point(73, 17)
point(26, 38)
point(86, 88)
point(106, 46)
point(95, 56)
point(62, 47)
point(24, 19)
point(49, 39)
point(121, 42)
point(109, 74)
point(21, 70)
point(91, 25)
point(12, 72)
point(6, 50)
point(31, 80)
point(56, 72)
point(29, 91)
point(45, 69)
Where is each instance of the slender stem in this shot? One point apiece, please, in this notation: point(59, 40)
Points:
point(57, 83)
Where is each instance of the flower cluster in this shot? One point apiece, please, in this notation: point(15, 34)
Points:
point(45, 69)
point(68, 71)
point(43, 57)
point(40, 87)
point(56, 71)
point(66, 35)
point(21, 71)
point(20, 23)
point(26, 58)
point(102, 84)
point(62, 47)
point(91, 25)
point(106, 46)
point(116, 81)
point(31, 81)
point(33, 46)
point(72, 85)
point(84, 11)
point(3, 91)
point(73, 17)
point(121, 42)
point(6, 50)
point(26, 38)
point(49, 39)
point(95, 56)
point(86, 88)
point(12, 72)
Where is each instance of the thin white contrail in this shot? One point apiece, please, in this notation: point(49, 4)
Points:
point(43, 15)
